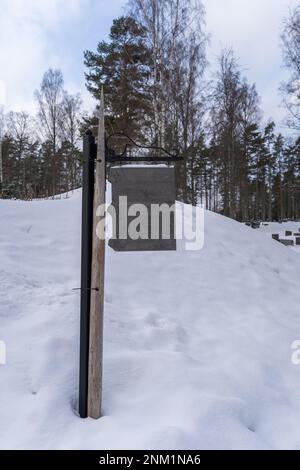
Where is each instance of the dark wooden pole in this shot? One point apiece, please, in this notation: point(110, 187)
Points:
point(97, 281)
point(86, 263)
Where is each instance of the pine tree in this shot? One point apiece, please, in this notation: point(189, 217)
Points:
point(122, 67)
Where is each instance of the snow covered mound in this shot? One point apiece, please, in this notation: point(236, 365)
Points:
point(197, 344)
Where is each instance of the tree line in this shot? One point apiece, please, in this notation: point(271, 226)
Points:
point(160, 91)
point(40, 156)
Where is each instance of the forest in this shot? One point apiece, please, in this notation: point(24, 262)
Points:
point(161, 91)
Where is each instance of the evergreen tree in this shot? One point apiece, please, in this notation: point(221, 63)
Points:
point(122, 67)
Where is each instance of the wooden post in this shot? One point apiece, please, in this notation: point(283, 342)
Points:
point(97, 281)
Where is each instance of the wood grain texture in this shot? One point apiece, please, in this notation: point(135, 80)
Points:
point(97, 282)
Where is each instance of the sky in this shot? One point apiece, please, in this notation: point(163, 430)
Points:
point(38, 34)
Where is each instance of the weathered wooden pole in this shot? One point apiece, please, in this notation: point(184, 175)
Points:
point(97, 280)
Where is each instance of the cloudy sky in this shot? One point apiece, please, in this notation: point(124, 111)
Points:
point(38, 34)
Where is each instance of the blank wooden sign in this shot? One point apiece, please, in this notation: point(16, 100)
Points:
point(151, 186)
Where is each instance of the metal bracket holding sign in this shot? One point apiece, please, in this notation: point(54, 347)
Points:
point(112, 157)
point(144, 185)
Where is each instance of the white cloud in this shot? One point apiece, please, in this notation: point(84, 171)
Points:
point(38, 34)
point(252, 28)
point(25, 46)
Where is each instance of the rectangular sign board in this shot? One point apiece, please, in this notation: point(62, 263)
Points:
point(154, 188)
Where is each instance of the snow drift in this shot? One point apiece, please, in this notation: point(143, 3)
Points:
point(197, 344)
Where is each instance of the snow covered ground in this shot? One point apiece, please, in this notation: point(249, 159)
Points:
point(197, 344)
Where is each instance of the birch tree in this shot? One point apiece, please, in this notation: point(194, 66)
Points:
point(71, 113)
point(291, 53)
point(50, 111)
point(175, 35)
